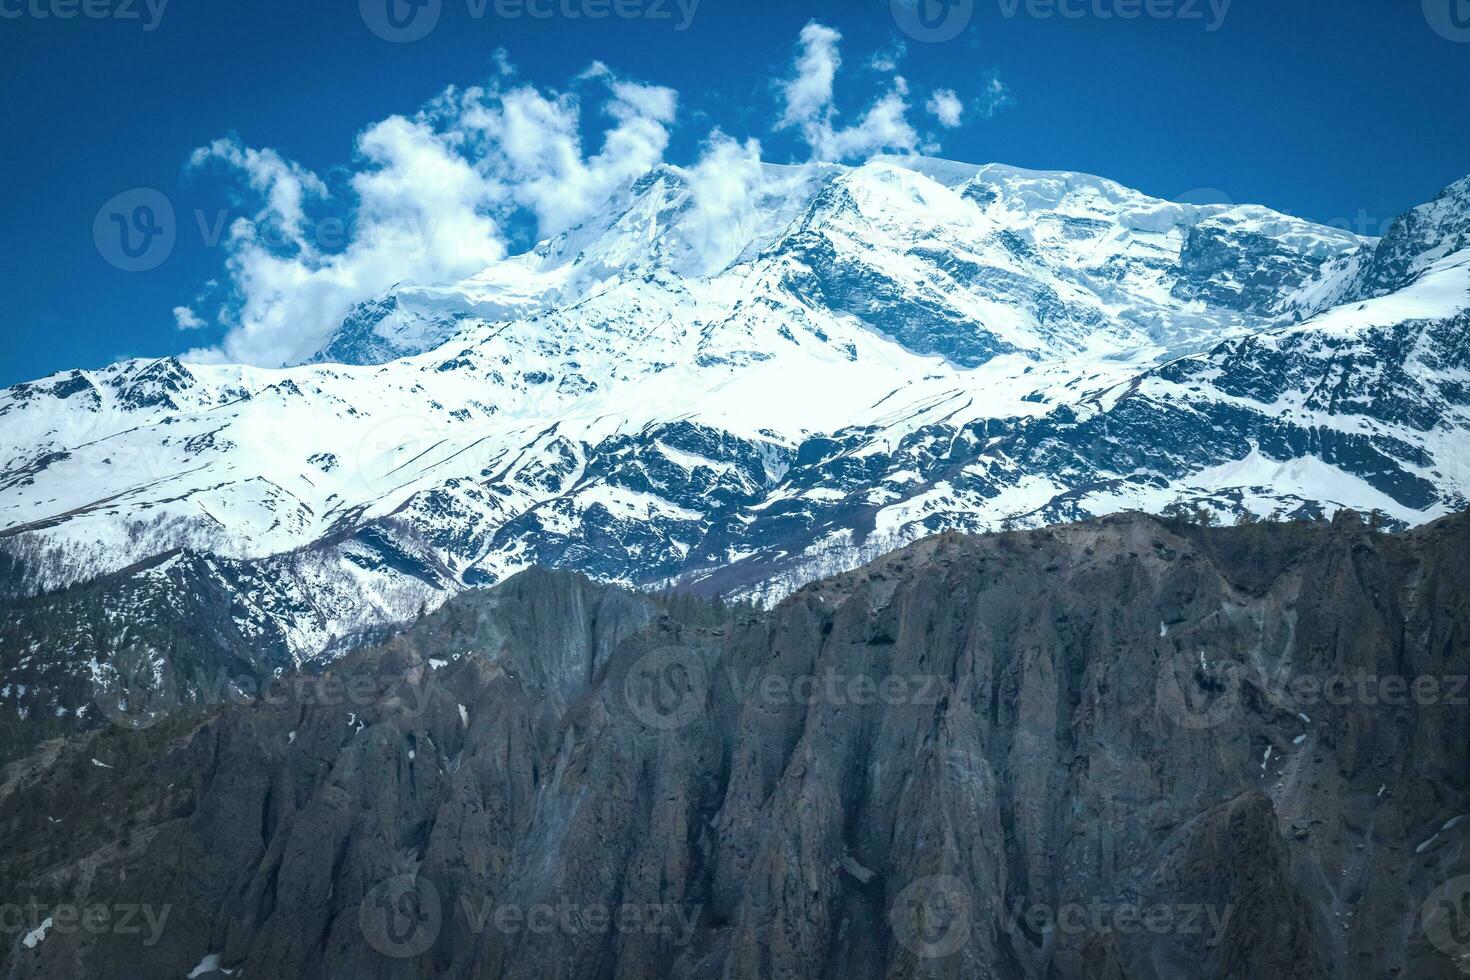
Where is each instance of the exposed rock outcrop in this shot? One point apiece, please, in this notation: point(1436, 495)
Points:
point(1120, 749)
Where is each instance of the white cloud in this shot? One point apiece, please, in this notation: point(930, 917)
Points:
point(440, 194)
point(422, 214)
point(187, 319)
point(994, 96)
point(285, 186)
point(884, 127)
point(808, 94)
point(887, 61)
point(533, 140)
point(945, 106)
point(723, 185)
point(808, 98)
point(431, 195)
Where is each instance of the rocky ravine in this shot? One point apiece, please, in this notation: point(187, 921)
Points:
point(1118, 749)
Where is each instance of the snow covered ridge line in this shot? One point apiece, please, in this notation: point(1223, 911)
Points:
point(850, 359)
point(665, 222)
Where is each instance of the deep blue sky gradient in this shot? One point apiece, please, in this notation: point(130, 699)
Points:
point(1329, 109)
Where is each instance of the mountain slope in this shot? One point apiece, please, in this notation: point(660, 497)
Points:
point(959, 260)
point(979, 756)
point(743, 399)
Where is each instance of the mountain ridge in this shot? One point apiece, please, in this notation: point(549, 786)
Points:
point(744, 400)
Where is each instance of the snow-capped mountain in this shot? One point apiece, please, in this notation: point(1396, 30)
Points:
point(742, 393)
point(946, 258)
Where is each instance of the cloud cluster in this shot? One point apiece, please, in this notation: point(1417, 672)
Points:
point(187, 319)
point(994, 96)
point(441, 194)
point(808, 104)
point(723, 186)
point(946, 107)
point(430, 199)
point(422, 211)
point(531, 141)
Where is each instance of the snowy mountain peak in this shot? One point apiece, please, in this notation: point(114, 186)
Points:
point(1042, 261)
point(746, 388)
point(1416, 240)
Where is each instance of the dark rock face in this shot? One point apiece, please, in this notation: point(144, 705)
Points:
point(1148, 435)
point(362, 338)
point(154, 384)
point(825, 277)
point(1121, 749)
point(1415, 239)
point(173, 626)
point(1240, 270)
point(188, 627)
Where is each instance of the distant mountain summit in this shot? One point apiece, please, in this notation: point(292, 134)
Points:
point(957, 260)
point(394, 325)
point(741, 393)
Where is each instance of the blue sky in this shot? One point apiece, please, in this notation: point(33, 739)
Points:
point(1336, 110)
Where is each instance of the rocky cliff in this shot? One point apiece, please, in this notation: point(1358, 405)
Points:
point(1126, 748)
